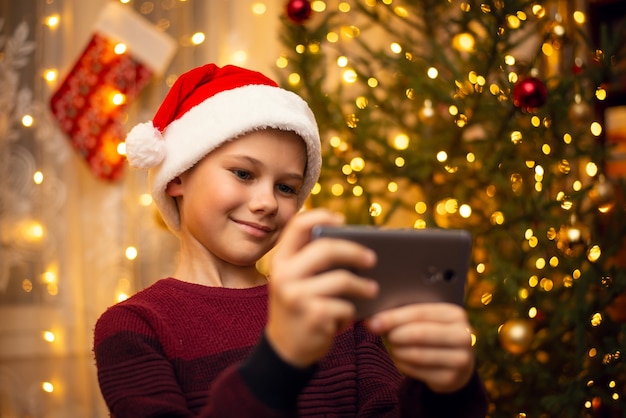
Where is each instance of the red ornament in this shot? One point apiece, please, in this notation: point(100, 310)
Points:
point(530, 94)
point(299, 10)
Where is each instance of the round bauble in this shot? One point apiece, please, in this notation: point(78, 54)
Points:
point(299, 11)
point(516, 335)
point(529, 94)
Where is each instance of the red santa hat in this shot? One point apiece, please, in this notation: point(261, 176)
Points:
point(206, 107)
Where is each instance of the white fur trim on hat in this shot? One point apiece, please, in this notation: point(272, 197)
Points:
point(225, 116)
point(145, 147)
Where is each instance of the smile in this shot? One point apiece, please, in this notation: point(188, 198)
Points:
point(254, 229)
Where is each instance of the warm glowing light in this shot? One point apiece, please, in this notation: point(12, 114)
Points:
point(442, 156)
point(47, 387)
point(596, 319)
point(349, 76)
point(336, 189)
point(38, 177)
point(432, 73)
point(118, 99)
point(318, 6)
point(344, 7)
point(596, 129)
point(49, 277)
point(316, 189)
point(591, 169)
point(120, 48)
point(282, 62)
point(342, 61)
point(594, 253)
point(145, 199)
point(121, 148)
point(513, 21)
point(465, 211)
point(600, 93)
point(579, 17)
point(27, 121)
point(52, 21)
point(32, 231)
point(395, 48)
point(259, 8)
point(376, 209)
point(131, 252)
point(50, 75)
point(399, 162)
point(198, 38)
point(401, 142)
point(419, 224)
point(357, 164)
point(294, 79)
point(240, 56)
point(121, 297)
point(392, 186)
point(464, 42)
point(497, 218)
point(49, 336)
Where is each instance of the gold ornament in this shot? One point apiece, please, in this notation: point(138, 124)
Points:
point(516, 335)
point(602, 194)
point(573, 238)
point(579, 112)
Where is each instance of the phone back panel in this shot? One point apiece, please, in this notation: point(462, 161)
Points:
point(414, 265)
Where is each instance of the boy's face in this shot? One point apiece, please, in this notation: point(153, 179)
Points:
point(236, 201)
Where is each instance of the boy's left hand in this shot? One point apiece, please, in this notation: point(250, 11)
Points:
point(429, 342)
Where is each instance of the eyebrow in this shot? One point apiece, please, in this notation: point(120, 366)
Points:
point(256, 162)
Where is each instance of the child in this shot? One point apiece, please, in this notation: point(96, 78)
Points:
point(231, 159)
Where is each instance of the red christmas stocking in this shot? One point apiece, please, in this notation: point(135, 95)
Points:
point(124, 52)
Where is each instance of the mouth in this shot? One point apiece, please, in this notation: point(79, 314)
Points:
point(254, 229)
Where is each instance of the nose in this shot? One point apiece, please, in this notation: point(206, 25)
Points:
point(263, 199)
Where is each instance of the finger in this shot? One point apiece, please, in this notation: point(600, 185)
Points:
point(297, 233)
point(328, 253)
point(336, 284)
point(385, 321)
point(431, 358)
point(431, 334)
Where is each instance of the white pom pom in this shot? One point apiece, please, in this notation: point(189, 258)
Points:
point(145, 147)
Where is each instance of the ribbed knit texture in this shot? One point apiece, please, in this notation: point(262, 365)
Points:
point(175, 350)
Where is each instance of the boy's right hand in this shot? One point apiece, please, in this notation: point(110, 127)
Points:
point(307, 305)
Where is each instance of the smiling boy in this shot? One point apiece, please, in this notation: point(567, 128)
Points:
point(231, 159)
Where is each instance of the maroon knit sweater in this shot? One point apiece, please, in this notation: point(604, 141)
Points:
point(179, 349)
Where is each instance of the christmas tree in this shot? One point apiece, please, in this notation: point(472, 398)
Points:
point(487, 116)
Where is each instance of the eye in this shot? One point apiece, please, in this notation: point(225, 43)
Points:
point(242, 174)
point(286, 189)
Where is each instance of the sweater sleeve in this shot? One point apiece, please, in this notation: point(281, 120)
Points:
point(417, 400)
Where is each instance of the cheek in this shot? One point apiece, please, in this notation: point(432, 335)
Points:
point(287, 211)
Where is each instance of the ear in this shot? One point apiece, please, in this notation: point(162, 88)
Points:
point(175, 187)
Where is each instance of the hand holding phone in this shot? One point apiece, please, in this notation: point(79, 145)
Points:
point(414, 265)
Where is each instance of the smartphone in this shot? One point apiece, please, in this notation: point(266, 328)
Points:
point(414, 265)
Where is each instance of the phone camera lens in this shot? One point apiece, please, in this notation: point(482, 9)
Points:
point(448, 275)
